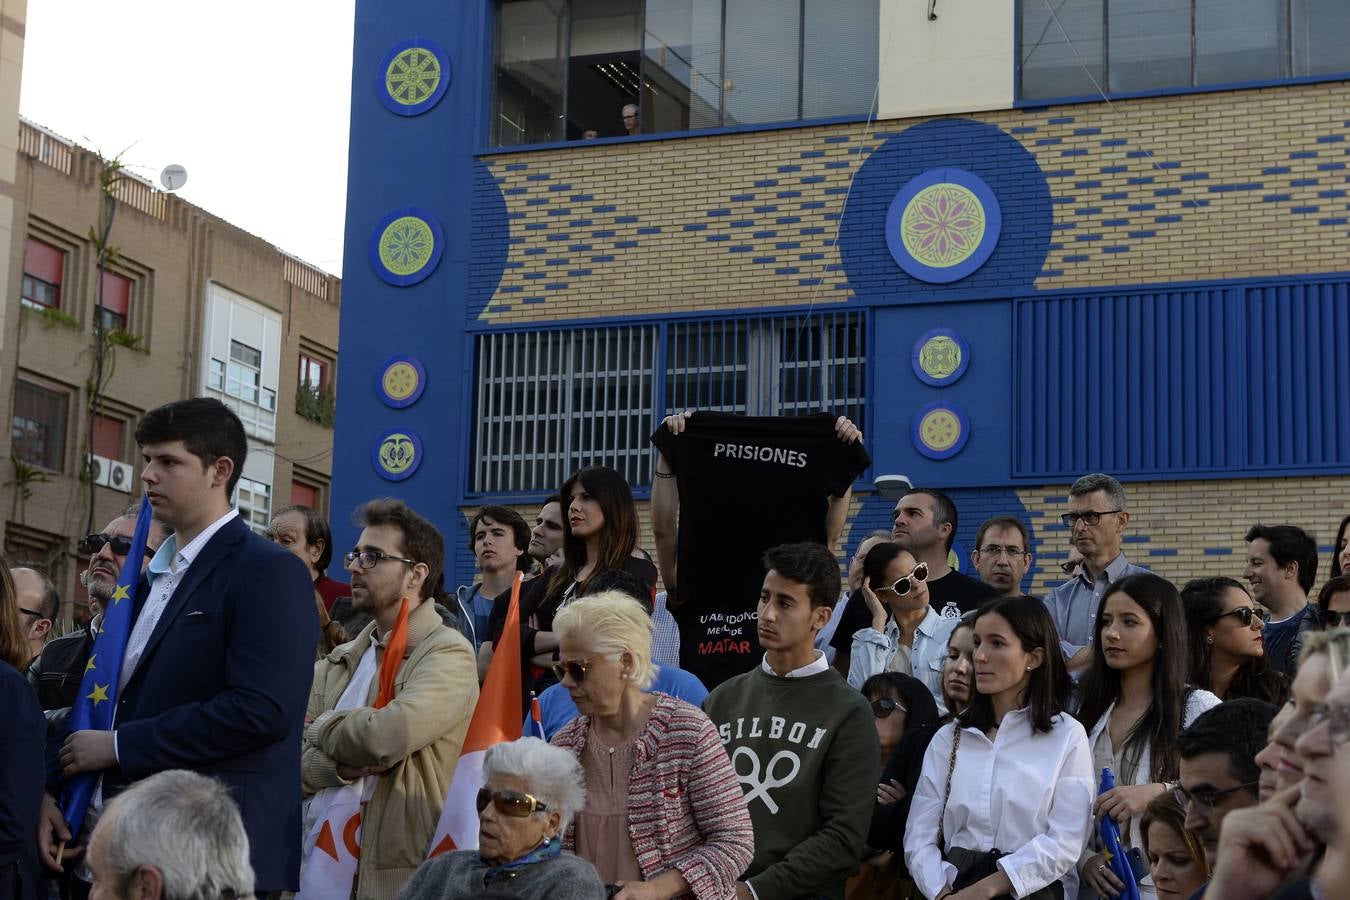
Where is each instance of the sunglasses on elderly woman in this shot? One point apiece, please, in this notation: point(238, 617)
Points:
point(510, 803)
point(905, 583)
point(1245, 614)
point(575, 669)
point(883, 708)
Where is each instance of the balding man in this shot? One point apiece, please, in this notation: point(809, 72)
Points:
point(57, 672)
point(39, 605)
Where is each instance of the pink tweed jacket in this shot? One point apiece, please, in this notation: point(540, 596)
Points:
point(686, 810)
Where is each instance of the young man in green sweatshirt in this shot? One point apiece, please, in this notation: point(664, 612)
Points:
point(802, 741)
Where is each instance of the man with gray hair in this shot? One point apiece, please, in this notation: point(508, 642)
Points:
point(175, 835)
point(1096, 521)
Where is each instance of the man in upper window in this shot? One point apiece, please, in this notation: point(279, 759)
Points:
point(1281, 567)
point(39, 605)
point(810, 749)
point(1096, 521)
point(499, 539)
point(397, 720)
point(1002, 554)
point(631, 123)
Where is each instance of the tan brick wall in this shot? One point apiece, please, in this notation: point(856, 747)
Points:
point(1223, 154)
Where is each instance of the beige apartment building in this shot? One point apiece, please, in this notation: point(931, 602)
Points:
point(191, 306)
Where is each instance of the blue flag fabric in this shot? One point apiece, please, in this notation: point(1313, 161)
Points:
point(97, 699)
point(1111, 848)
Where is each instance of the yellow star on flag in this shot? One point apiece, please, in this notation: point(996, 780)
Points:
point(1108, 856)
point(89, 665)
point(120, 594)
point(100, 693)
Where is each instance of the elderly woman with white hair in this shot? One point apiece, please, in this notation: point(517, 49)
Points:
point(664, 814)
point(530, 793)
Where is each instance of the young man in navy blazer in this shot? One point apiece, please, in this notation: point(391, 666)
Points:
point(218, 665)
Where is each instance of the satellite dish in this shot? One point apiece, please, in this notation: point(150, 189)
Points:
point(173, 177)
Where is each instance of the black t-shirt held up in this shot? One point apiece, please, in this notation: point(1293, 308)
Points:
point(746, 484)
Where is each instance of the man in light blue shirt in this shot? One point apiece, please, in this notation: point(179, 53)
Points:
point(1096, 521)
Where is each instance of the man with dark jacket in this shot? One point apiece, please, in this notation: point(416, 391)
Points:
point(57, 672)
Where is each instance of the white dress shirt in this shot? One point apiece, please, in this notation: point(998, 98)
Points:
point(874, 650)
point(814, 667)
point(1027, 794)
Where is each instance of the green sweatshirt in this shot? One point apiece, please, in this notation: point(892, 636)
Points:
point(805, 751)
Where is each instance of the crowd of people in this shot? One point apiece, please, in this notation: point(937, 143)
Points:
point(909, 731)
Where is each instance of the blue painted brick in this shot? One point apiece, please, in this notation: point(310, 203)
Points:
point(1218, 551)
point(516, 167)
point(762, 210)
point(559, 187)
point(815, 229)
point(1163, 219)
point(1141, 179)
point(761, 235)
point(650, 229)
point(742, 223)
point(1167, 165)
point(1084, 185)
point(534, 276)
point(515, 190)
point(1276, 198)
point(787, 245)
point(607, 207)
point(1139, 235)
point(1116, 195)
point(1167, 192)
point(624, 245)
point(1340, 221)
point(742, 198)
point(580, 223)
point(1062, 120)
point(602, 259)
point(1114, 223)
point(1089, 210)
point(558, 212)
point(1088, 237)
point(578, 273)
point(1303, 154)
point(811, 154)
point(536, 226)
point(1141, 207)
point(1163, 551)
point(537, 201)
point(1330, 167)
point(1195, 176)
point(1276, 170)
point(1023, 129)
point(625, 220)
point(813, 204)
point(1048, 142)
point(556, 261)
point(791, 168)
point(1304, 209)
point(816, 282)
point(718, 212)
point(1137, 154)
point(1331, 139)
point(1329, 194)
point(1076, 151)
point(604, 234)
point(787, 270)
point(1304, 182)
point(582, 198)
point(718, 237)
point(1114, 170)
point(838, 139)
point(786, 194)
point(766, 182)
point(813, 179)
point(556, 286)
point(536, 251)
point(541, 176)
point(764, 260)
point(533, 300)
point(1116, 249)
point(696, 226)
point(1087, 131)
point(787, 220)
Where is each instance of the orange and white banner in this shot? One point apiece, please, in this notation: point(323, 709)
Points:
point(496, 718)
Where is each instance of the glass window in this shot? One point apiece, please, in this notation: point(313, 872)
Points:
point(38, 425)
point(683, 64)
point(567, 69)
point(531, 56)
point(243, 376)
point(107, 438)
point(313, 372)
point(1149, 44)
point(763, 68)
point(254, 502)
point(1321, 37)
point(1062, 49)
point(116, 302)
point(1240, 40)
point(839, 60)
point(43, 266)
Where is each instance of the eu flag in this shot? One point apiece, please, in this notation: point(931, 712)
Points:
point(1111, 849)
point(97, 699)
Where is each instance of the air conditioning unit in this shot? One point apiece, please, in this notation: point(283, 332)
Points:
point(100, 468)
point(120, 476)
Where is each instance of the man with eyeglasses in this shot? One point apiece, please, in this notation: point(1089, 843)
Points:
point(39, 605)
point(1219, 773)
point(57, 673)
point(390, 708)
point(1096, 521)
point(1002, 554)
point(1281, 567)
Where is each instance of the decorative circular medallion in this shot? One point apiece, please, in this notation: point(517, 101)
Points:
point(940, 430)
point(397, 454)
point(940, 357)
point(401, 381)
point(413, 76)
point(943, 225)
point(406, 246)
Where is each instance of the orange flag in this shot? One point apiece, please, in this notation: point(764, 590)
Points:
point(496, 718)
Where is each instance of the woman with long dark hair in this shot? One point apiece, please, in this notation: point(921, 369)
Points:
point(600, 531)
point(1226, 653)
point(1135, 700)
point(1003, 806)
point(1340, 550)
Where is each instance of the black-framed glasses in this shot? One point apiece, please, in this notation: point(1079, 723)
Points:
point(884, 706)
point(369, 559)
point(121, 544)
point(905, 583)
point(996, 551)
point(510, 803)
point(1088, 517)
point(1332, 619)
point(1068, 565)
point(1245, 614)
point(1207, 798)
point(29, 612)
point(1337, 718)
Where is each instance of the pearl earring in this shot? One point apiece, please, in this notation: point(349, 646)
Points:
point(1209, 639)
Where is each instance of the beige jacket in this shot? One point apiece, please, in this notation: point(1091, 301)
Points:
point(416, 737)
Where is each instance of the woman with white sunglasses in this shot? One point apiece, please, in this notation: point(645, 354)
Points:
point(906, 635)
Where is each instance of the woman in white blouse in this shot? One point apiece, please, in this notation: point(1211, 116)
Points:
point(1004, 804)
point(1135, 701)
